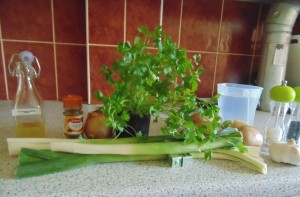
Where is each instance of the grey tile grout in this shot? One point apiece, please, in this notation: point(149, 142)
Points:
point(4, 63)
point(161, 13)
point(218, 46)
point(255, 44)
point(54, 50)
point(180, 23)
point(88, 63)
point(43, 42)
point(125, 20)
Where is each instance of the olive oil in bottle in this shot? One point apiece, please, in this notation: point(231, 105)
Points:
point(34, 129)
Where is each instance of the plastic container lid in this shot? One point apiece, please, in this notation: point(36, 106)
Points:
point(282, 93)
point(239, 90)
point(72, 101)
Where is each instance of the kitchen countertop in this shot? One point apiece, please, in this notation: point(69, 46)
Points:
point(151, 178)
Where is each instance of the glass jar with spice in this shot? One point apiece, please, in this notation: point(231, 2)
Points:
point(73, 116)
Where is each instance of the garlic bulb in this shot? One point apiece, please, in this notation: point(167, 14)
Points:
point(285, 152)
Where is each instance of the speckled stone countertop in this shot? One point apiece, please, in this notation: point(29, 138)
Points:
point(152, 178)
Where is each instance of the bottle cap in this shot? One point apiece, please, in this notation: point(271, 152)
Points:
point(72, 101)
point(27, 57)
point(282, 93)
point(297, 90)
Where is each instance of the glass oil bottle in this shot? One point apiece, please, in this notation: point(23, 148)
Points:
point(28, 109)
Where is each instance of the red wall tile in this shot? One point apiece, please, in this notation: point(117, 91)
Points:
point(100, 56)
point(44, 52)
point(26, 20)
point(238, 24)
point(106, 21)
point(69, 21)
point(171, 18)
point(141, 13)
point(201, 24)
point(260, 28)
point(71, 69)
point(31, 20)
point(254, 70)
point(233, 69)
point(208, 61)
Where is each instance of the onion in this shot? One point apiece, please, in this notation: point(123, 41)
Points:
point(238, 123)
point(199, 120)
point(95, 126)
point(251, 136)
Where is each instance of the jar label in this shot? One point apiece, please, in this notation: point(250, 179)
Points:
point(26, 112)
point(73, 125)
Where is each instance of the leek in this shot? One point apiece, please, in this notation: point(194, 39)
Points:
point(224, 138)
point(63, 161)
point(245, 159)
point(28, 155)
point(69, 154)
point(230, 140)
point(15, 144)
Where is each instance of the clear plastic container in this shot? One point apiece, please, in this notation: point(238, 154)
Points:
point(238, 101)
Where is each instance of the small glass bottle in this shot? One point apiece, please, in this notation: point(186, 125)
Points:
point(28, 109)
point(293, 124)
point(73, 113)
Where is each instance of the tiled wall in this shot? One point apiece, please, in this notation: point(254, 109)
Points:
point(55, 32)
point(73, 38)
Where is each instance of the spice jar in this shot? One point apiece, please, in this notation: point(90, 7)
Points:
point(73, 120)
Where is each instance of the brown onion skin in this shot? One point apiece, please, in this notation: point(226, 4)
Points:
point(238, 123)
point(251, 136)
point(95, 127)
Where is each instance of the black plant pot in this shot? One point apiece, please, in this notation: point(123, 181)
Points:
point(136, 124)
